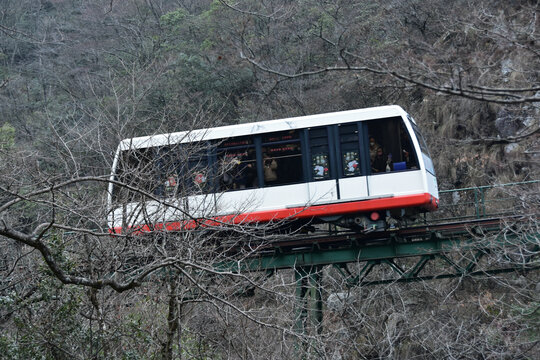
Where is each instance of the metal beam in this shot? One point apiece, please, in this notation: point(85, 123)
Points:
point(386, 253)
point(386, 250)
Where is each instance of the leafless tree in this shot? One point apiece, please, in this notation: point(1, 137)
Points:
point(71, 289)
point(347, 37)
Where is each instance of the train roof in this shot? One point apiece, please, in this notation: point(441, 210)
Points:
point(261, 127)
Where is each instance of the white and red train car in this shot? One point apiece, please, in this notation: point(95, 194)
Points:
point(354, 168)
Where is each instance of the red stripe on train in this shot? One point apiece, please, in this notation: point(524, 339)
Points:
point(425, 200)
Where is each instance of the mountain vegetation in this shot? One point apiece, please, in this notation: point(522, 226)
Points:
point(76, 77)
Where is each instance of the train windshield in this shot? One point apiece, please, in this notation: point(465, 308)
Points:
point(136, 171)
point(423, 147)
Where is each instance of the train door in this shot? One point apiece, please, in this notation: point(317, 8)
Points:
point(322, 184)
point(352, 167)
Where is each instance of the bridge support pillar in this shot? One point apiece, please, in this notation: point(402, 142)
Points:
point(309, 303)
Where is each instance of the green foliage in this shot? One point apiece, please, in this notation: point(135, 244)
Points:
point(196, 347)
point(18, 348)
point(322, 22)
point(178, 30)
point(197, 70)
point(7, 137)
point(529, 315)
point(173, 21)
point(50, 327)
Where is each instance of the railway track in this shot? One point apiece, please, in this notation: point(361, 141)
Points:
point(338, 240)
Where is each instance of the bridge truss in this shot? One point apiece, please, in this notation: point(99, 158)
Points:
point(455, 242)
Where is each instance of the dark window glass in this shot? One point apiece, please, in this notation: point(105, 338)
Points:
point(423, 148)
point(168, 162)
point(183, 169)
point(350, 154)
point(135, 169)
point(320, 159)
point(421, 141)
point(237, 168)
point(236, 164)
point(196, 180)
point(282, 160)
point(390, 146)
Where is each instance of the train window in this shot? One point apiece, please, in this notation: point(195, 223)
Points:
point(196, 181)
point(135, 169)
point(390, 146)
point(350, 154)
point(421, 141)
point(183, 169)
point(282, 158)
point(318, 142)
point(167, 163)
point(423, 148)
point(237, 167)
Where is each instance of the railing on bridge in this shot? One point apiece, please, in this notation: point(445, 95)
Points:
point(487, 202)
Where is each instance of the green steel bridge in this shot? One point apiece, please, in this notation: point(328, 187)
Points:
point(457, 240)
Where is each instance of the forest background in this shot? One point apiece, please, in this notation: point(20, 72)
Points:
point(76, 77)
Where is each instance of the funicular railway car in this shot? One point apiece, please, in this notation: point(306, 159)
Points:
point(361, 169)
